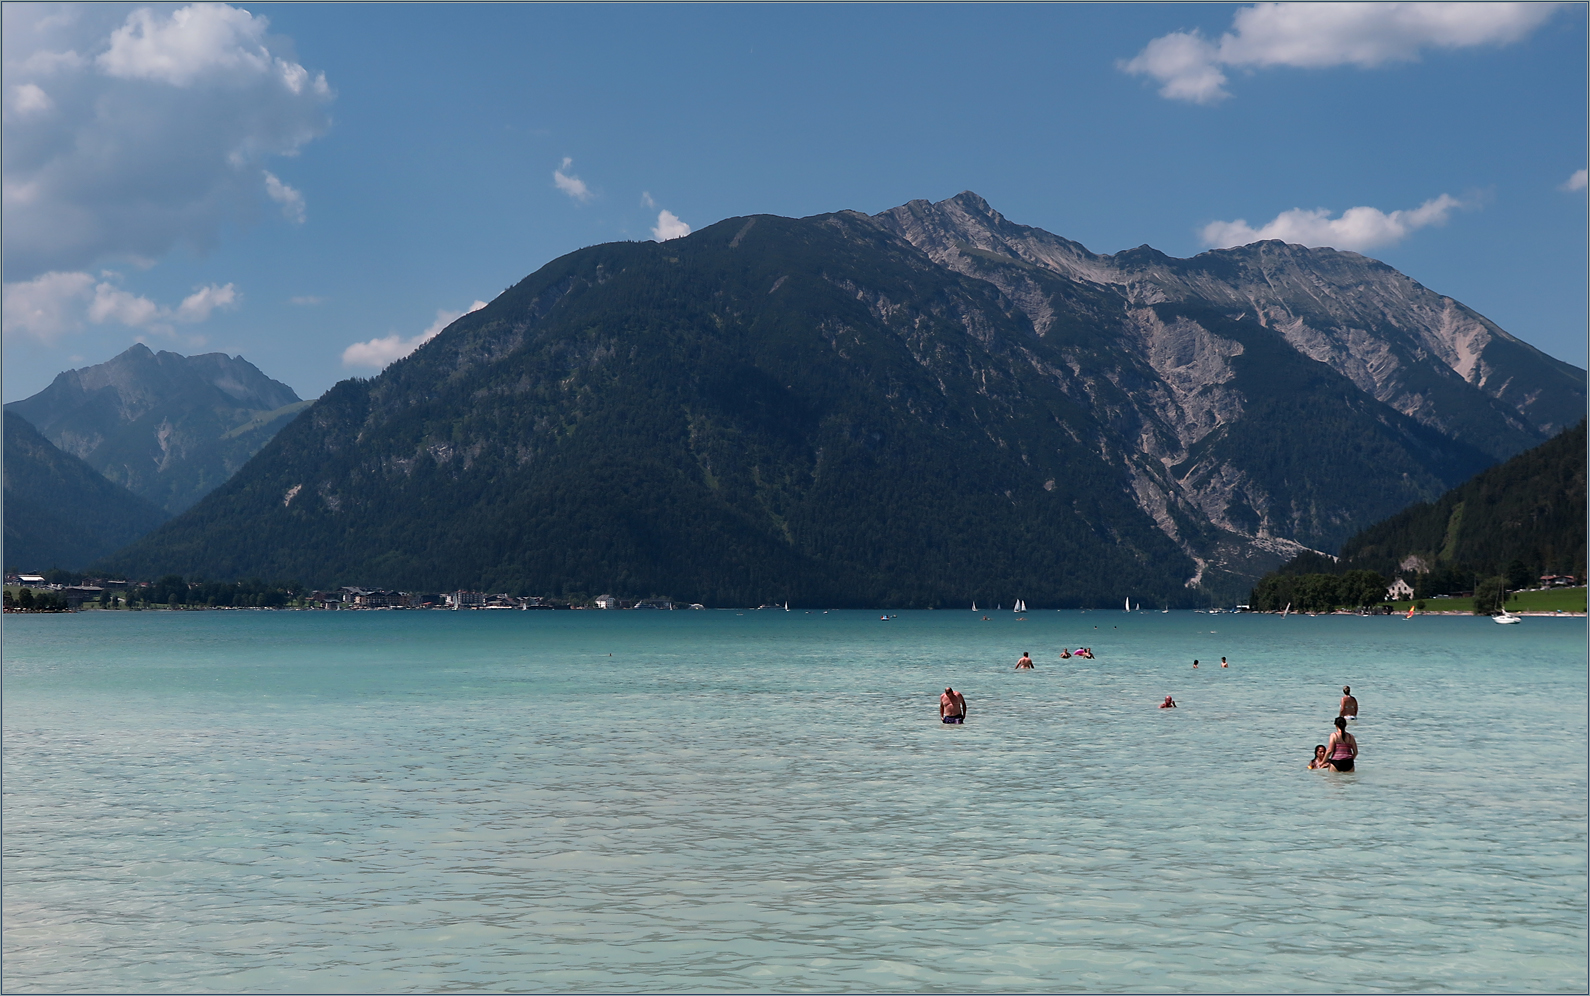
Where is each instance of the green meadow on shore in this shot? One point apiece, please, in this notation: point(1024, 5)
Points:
point(1547, 600)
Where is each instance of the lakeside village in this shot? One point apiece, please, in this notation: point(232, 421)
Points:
point(63, 591)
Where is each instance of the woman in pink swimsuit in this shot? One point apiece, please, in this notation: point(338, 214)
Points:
point(1342, 748)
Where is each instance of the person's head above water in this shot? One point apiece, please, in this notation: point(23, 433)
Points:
point(1341, 724)
point(1347, 689)
point(1319, 749)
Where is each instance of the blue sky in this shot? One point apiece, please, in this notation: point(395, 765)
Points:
point(287, 182)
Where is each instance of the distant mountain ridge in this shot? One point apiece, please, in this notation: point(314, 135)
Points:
point(59, 511)
point(168, 427)
point(913, 408)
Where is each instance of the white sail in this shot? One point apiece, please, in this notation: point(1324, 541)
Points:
point(974, 606)
point(1128, 605)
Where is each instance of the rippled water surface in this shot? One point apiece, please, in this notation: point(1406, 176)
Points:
point(765, 801)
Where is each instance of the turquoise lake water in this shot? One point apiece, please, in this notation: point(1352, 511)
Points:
point(585, 801)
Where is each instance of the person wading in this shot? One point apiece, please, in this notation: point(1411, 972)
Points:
point(1342, 748)
point(952, 706)
point(1349, 706)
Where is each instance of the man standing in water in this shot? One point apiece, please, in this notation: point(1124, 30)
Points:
point(1349, 707)
point(952, 706)
point(1025, 662)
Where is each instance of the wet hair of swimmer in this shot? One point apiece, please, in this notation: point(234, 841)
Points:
point(1347, 689)
point(1341, 724)
point(1318, 748)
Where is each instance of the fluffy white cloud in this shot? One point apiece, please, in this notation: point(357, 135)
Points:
point(48, 305)
point(1575, 182)
point(291, 200)
point(128, 134)
point(56, 303)
point(1358, 228)
point(377, 353)
point(1313, 35)
point(645, 199)
point(669, 227)
point(569, 183)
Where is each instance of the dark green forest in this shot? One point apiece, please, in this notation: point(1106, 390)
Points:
point(1508, 525)
point(59, 511)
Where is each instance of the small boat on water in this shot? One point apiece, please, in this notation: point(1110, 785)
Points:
point(1020, 606)
point(1506, 618)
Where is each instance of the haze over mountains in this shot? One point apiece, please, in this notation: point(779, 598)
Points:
point(169, 428)
point(921, 407)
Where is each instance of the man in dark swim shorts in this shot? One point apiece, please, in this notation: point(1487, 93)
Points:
point(952, 706)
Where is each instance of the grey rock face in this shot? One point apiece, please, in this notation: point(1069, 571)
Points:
point(1420, 353)
point(169, 428)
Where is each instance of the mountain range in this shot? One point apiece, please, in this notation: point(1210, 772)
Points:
point(167, 427)
point(920, 407)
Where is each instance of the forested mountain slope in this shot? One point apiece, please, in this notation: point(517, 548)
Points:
point(167, 427)
point(1530, 509)
point(59, 511)
point(833, 411)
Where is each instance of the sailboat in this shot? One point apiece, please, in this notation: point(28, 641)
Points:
point(786, 606)
point(1128, 605)
point(1506, 618)
point(1020, 606)
point(1409, 615)
point(1286, 610)
point(974, 605)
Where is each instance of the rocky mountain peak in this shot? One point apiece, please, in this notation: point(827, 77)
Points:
point(166, 426)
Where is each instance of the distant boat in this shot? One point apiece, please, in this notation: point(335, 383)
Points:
point(786, 606)
point(974, 605)
point(1286, 610)
point(1128, 605)
point(1409, 615)
point(1506, 618)
point(1020, 606)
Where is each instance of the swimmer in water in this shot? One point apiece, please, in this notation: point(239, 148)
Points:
point(1025, 663)
point(1065, 653)
point(1223, 662)
point(1319, 761)
point(1349, 706)
point(1195, 662)
point(952, 706)
point(1169, 703)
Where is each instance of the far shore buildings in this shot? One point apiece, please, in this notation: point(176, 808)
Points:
point(1399, 591)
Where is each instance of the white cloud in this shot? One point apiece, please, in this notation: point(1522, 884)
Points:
point(196, 307)
point(47, 306)
point(56, 303)
point(1575, 182)
point(291, 200)
point(569, 183)
point(646, 201)
point(378, 353)
point(127, 134)
point(111, 303)
point(1358, 228)
point(1315, 35)
point(669, 227)
point(28, 99)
